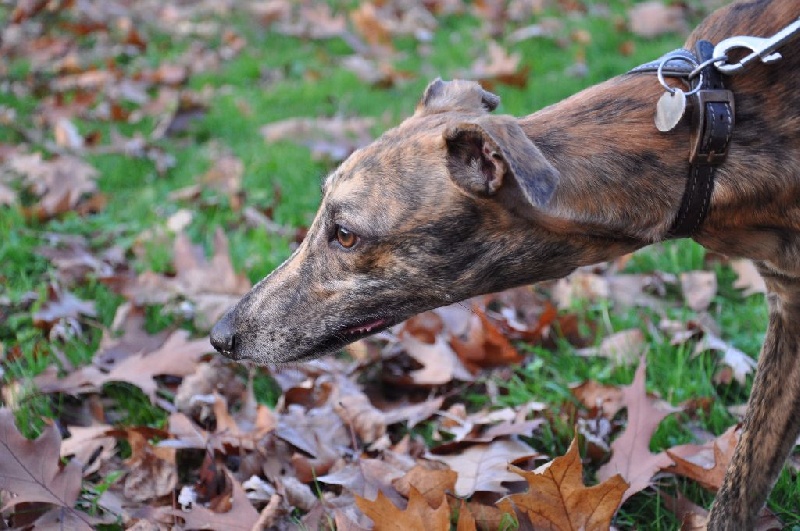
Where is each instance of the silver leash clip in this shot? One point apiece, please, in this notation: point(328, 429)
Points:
point(761, 48)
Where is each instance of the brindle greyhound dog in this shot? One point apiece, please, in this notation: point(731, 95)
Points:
point(456, 202)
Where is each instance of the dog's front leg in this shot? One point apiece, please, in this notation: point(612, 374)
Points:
point(772, 422)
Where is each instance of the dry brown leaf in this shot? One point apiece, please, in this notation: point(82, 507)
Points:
point(90, 446)
point(316, 431)
point(328, 138)
point(178, 356)
point(607, 398)
point(484, 467)
point(366, 478)
point(241, 516)
point(212, 286)
point(466, 520)
point(59, 183)
point(74, 261)
point(244, 428)
point(433, 485)
point(366, 420)
point(417, 515)
point(557, 498)
point(740, 363)
point(224, 176)
point(499, 66)
point(748, 279)
point(699, 289)
point(413, 414)
point(63, 305)
point(484, 345)
point(371, 24)
point(152, 471)
point(653, 18)
point(631, 451)
point(379, 73)
point(622, 348)
point(691, 516)
point(578, 286)
point(440, 362)
point(30, 470)
point(314, 21)
point(705, 464)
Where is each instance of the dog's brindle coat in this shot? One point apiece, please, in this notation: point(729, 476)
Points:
point(457, 202)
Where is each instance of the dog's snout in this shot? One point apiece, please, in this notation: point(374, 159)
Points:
point(223, 336)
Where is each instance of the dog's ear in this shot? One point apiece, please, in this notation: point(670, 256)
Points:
point(484, 153)
point(442, 96)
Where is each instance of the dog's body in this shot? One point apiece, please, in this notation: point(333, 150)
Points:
point(456, 202)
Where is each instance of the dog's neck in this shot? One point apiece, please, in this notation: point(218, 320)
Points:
point(610, 156)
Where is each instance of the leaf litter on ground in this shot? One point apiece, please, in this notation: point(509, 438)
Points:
point(330, 428)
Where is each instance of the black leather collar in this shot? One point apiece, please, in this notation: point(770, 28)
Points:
point(713, 117)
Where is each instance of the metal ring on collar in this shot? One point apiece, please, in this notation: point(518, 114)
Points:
point(702, 66)
point(693, 62)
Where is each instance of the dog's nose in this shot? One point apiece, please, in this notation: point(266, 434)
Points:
point(223, 337)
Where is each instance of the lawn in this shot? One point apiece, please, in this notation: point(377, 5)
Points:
point(192, 85)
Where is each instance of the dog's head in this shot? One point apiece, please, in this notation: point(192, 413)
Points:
point(427, 215)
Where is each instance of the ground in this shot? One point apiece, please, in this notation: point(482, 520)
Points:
point(149, 124)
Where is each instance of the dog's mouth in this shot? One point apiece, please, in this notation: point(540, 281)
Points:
point(351, 333)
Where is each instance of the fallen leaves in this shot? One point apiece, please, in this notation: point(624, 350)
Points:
point(211, 286)
point(631, 456)
point(59, 184)
point(557, 498)
point(748, 280)
point(499, 66)
point(30, 470)
point(178, 356)
point(390, 430)
point(705, 464)
point(653, 18)
point(419, 514)
point(483, 467)
point(699, 289)
point(622, 348)
point(327, 138)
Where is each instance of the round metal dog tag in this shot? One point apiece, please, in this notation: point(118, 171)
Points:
point(670, 109)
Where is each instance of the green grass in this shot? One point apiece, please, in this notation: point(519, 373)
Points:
point(278, 77)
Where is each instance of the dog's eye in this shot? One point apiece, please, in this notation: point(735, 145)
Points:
point(345, 237)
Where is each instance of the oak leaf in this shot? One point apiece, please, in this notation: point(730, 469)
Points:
point(152, 471)
point(440, 362)
point(418, 514)
point(484, 345)
point(653, 18)
point(606, 398)
point(367, 478)
point(484, 467)
point(699, 289)
point(500, 66)
point(632, 458)
point(178, 356)
point(557, 498)
point(748, 279)
point(59, 183)
point(60, 315)
point(622, 348)
point(29, 469)
point(212, 286)
point(242, 515)
point(739, 362)
point(328, 138)
point(357, 411)
point(705, 464)
point(433, 485)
